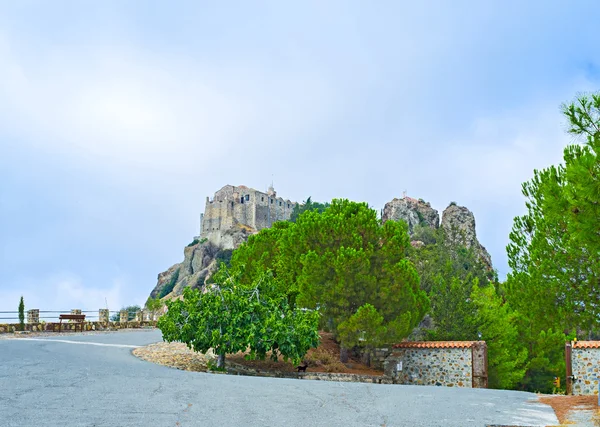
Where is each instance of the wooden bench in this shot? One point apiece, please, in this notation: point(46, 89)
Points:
point(78, 318)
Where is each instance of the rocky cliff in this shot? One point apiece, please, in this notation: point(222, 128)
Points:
point(200, 261)
point(457, 221)
point(459, 224)
point(201, 258)
point(413, 212)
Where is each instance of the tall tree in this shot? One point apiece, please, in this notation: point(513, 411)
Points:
point(22, 314)
point(306, 206)
point(339, 260)
point(554, 249)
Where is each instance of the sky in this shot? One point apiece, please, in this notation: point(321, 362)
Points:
point(118, 118)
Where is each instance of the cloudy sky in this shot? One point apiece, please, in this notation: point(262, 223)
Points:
point(118, 118)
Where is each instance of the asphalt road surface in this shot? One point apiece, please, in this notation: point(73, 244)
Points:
point(94, 380)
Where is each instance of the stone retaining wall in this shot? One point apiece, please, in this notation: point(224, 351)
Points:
point(66, 326)
point(234, 368)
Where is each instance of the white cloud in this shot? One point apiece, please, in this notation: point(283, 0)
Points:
point(68, 291)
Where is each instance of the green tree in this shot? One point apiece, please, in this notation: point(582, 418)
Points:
point(337, 261)
point(495, 322)
point(365, 329)
point(231, 317)
point(22, 314)
point(154, 305)
point(452, 311)
point(307, 205)
point(554, 249)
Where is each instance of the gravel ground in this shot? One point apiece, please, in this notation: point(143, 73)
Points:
point(176, 355)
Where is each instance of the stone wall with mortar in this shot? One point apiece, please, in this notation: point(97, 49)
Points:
point(66, 327)
point(585, 363)
point(439, 363)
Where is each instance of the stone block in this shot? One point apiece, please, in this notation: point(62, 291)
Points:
point(33, 315)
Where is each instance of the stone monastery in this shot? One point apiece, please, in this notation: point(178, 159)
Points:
point(242, 207)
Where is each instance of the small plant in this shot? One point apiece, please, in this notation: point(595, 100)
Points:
point(22, 314)
point(452, 203)
point(196, 242)
point(212, 366)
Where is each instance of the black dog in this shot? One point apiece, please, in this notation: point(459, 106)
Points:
point(302, 368)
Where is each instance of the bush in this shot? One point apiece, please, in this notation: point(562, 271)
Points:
point(196, 242)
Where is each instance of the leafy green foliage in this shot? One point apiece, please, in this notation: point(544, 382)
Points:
point(22, 314)
point(196, 242)
point(364, 328)
point(169, 287)
point(231, 317)
point(336, 261)
point(154, 305)
point(495, 322)
point(453, 312)
point(306, 206)
point(554, 249)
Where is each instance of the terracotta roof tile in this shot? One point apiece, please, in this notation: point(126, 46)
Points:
point(437, 344)
point(586, 344)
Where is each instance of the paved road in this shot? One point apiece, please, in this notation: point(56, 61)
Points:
point(71, 380)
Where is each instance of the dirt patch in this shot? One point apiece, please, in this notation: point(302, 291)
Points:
point(565, 405)
point(324, 358)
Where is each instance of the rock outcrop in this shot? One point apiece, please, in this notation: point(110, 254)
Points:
point(457, 221)
point(164, 279)
point(200, 261)
point(235, 213)
point(459, 224)
point(413, 212)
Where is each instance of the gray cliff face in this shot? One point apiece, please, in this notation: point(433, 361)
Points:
point(199, 263)
point(164, 279)
point(413, 212)
point(459, 224)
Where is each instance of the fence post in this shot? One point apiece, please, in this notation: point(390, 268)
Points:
point(33, 315)
point(123, 316)
point(76, 311)
point(103, 315)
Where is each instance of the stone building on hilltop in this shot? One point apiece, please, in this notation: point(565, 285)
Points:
point(241, 209)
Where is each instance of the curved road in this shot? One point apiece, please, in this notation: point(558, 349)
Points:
point(94, 380)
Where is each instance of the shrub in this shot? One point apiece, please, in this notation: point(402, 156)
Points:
point(196, 242)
